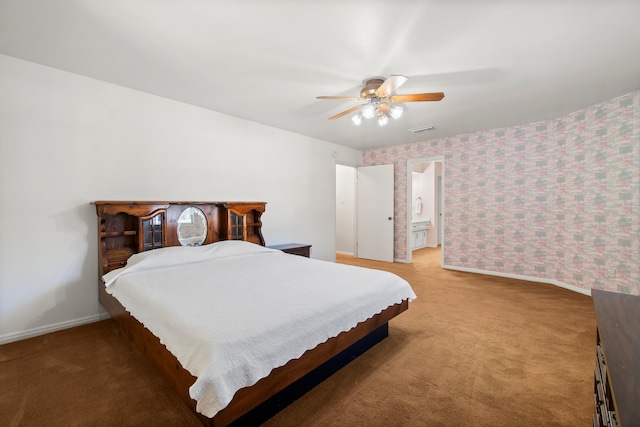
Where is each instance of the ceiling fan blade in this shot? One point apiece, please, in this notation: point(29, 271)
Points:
point(340, 98)
point(390, 85)
point(417, 97)
point(349, 111)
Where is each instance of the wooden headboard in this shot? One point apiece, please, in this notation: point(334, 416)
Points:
point(126, 228)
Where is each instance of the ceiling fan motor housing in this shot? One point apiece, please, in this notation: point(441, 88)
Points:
point(370, 87)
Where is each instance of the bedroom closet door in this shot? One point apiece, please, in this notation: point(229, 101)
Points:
point(375, 213)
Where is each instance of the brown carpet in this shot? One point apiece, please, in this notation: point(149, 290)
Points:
point(472, 350)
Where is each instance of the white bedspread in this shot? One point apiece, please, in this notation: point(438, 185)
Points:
point(232, 311)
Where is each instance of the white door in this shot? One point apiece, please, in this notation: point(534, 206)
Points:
point(375, 213)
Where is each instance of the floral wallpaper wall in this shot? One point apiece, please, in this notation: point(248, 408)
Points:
point(557, 200)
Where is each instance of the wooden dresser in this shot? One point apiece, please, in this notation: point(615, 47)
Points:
point(617, 371)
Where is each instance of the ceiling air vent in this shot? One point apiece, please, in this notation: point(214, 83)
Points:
point(422, 128)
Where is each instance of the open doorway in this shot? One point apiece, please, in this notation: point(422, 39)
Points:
point(345, 210)
point(425, 205)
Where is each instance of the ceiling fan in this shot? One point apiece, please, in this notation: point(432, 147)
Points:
point(378, 94)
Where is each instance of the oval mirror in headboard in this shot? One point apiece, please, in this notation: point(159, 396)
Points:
point(192, 227)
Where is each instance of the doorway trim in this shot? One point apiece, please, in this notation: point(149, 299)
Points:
point(410, 163)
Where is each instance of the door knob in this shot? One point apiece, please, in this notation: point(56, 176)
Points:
point(390, 218)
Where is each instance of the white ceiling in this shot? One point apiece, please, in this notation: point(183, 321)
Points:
point(499, 63)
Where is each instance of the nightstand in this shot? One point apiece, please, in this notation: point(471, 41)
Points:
point(294, 249)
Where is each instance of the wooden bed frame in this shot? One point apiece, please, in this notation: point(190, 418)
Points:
point(125, 228)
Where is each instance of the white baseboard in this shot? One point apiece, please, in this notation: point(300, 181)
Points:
point(345, 253)
point(29, 333)
point(521, 277)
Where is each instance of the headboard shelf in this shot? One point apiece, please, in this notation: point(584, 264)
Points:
point(129, 227)
point(118, 233)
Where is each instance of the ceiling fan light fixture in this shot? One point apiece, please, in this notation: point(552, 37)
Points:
point(357, 119)
point(383, 119)
point(395, 111)
point(369, 111)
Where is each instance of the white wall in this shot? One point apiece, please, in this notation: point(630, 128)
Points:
point(66, 140)
point(345, 209)
point(421, 187)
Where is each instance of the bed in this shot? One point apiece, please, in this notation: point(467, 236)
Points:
point(238, 329)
